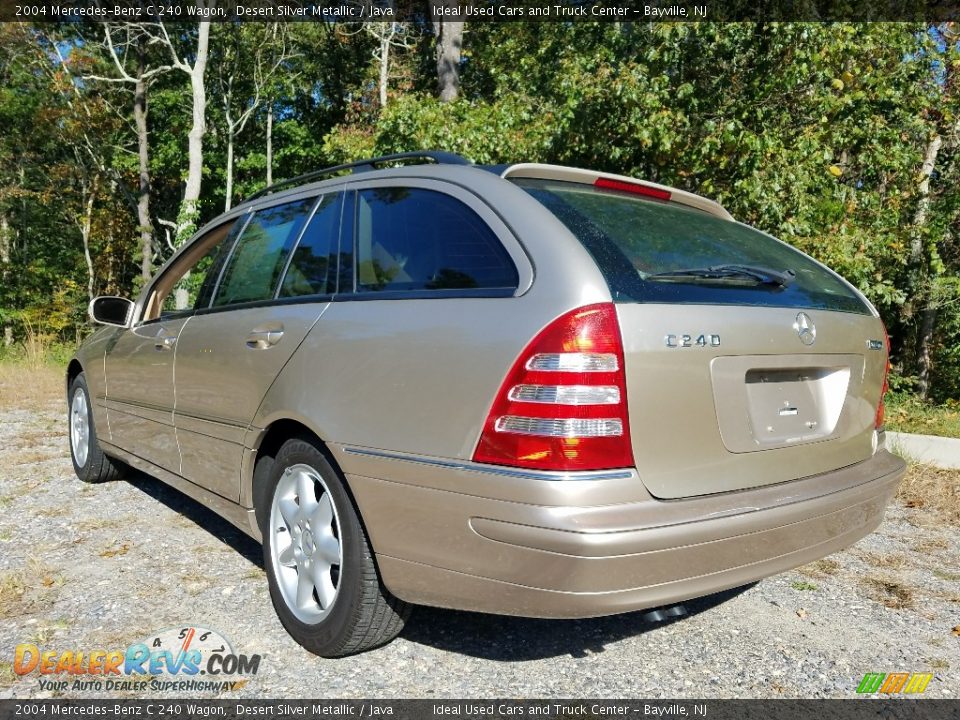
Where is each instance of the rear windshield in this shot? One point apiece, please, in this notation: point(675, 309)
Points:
point(655, 251)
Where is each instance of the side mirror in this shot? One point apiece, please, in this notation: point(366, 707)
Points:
point(109, 310)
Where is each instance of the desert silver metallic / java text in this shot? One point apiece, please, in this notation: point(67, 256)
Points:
point(305, 547)
point(79, 428)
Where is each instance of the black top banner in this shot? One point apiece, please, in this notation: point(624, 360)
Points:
point(356, 11)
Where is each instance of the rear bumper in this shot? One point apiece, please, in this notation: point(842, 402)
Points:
point(466, 538)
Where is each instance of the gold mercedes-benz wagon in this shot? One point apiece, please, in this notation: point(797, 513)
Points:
point(521, 389)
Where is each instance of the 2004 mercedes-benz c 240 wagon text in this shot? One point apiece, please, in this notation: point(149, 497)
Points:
point(523, 389)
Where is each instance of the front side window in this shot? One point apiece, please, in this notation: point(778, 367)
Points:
point(260, 255)
point(189, 283)
point(411, 239)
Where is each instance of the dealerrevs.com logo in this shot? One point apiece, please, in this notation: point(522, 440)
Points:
point(179, 659)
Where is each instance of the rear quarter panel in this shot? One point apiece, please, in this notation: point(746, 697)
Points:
point(419, 376)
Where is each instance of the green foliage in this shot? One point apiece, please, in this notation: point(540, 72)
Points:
point(813, 132)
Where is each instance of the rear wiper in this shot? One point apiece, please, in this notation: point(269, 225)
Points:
point(762, 275)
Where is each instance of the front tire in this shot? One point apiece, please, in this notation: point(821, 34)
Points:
point(89, 462)
point(323, 580)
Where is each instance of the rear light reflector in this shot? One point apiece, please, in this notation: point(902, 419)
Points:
point(573, 362)
point(566, 394)
point(566, 428)
point(563, 404)
point(635, 188)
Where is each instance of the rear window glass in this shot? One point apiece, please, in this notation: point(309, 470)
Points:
point(646, 248)
point(410, 239)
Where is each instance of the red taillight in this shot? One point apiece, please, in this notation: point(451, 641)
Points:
point(635, 188)
point(563, 405)
point(881, 410)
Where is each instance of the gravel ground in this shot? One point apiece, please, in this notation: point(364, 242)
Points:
point(85, 567)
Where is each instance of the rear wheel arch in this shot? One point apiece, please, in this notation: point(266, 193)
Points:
point(272, 439)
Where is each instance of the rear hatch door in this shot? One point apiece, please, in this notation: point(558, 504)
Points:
point(747, 362)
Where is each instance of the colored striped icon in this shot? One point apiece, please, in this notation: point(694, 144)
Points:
point(890, 683)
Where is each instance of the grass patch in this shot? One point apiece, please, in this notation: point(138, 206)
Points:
point(820, 568)
point(893, 561)
point(938, 664)
point(910, 414)
point(13, 590)
point(946, 575)
point(803, 586)
point(930, 545)
point(934, 489)
point(890, 592)
point(7, 676)
point(26, 385)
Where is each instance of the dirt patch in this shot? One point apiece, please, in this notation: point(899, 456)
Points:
point(890, 591)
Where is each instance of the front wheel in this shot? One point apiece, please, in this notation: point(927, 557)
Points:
point(323, 580)
point(89, 462)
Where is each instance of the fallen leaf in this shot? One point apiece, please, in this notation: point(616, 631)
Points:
point(122, 550)
point(802, 614)
point(956, 630)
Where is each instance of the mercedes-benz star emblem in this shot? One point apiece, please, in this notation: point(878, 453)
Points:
point(805, 329)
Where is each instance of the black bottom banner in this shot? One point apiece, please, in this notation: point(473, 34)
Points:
point(860, 709)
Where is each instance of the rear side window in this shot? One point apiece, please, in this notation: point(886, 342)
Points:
point(258, 259)
point(654, 251)
point(411, 239)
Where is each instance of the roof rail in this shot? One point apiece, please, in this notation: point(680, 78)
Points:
point(440, 157)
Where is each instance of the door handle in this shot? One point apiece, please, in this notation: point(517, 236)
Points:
point(264, 336)
point(165, 341)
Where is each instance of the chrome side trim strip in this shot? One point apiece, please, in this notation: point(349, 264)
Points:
point(494, 469)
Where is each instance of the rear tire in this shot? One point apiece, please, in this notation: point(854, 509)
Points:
point(89, 461)
point(323, 580)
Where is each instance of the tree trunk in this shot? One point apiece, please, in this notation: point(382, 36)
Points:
point(85, 229)
point(5, 246)
point(449, 43)
point(143, 141)
point(923, 204)
point(187, 218)
point(228, 201)
point(384, 68)
point(270, 142)
point(928, 321)
point(919, 287)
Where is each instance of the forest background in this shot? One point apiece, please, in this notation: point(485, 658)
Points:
point(117, 141)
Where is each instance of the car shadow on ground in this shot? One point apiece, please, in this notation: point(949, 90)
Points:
point(513, 639)
point(489, 637)
point(202, 516)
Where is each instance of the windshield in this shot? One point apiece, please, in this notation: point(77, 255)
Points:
point(654, 251)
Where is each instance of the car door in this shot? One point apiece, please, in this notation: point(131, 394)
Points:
point(274, 287)
point(138, 364)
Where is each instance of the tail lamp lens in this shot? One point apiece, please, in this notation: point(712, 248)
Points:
point(563, 404)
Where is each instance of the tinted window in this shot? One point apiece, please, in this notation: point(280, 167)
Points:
point(633, 240)
point(196, 284)
point(260, 255)
point(413, 239)
point(311, 268)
